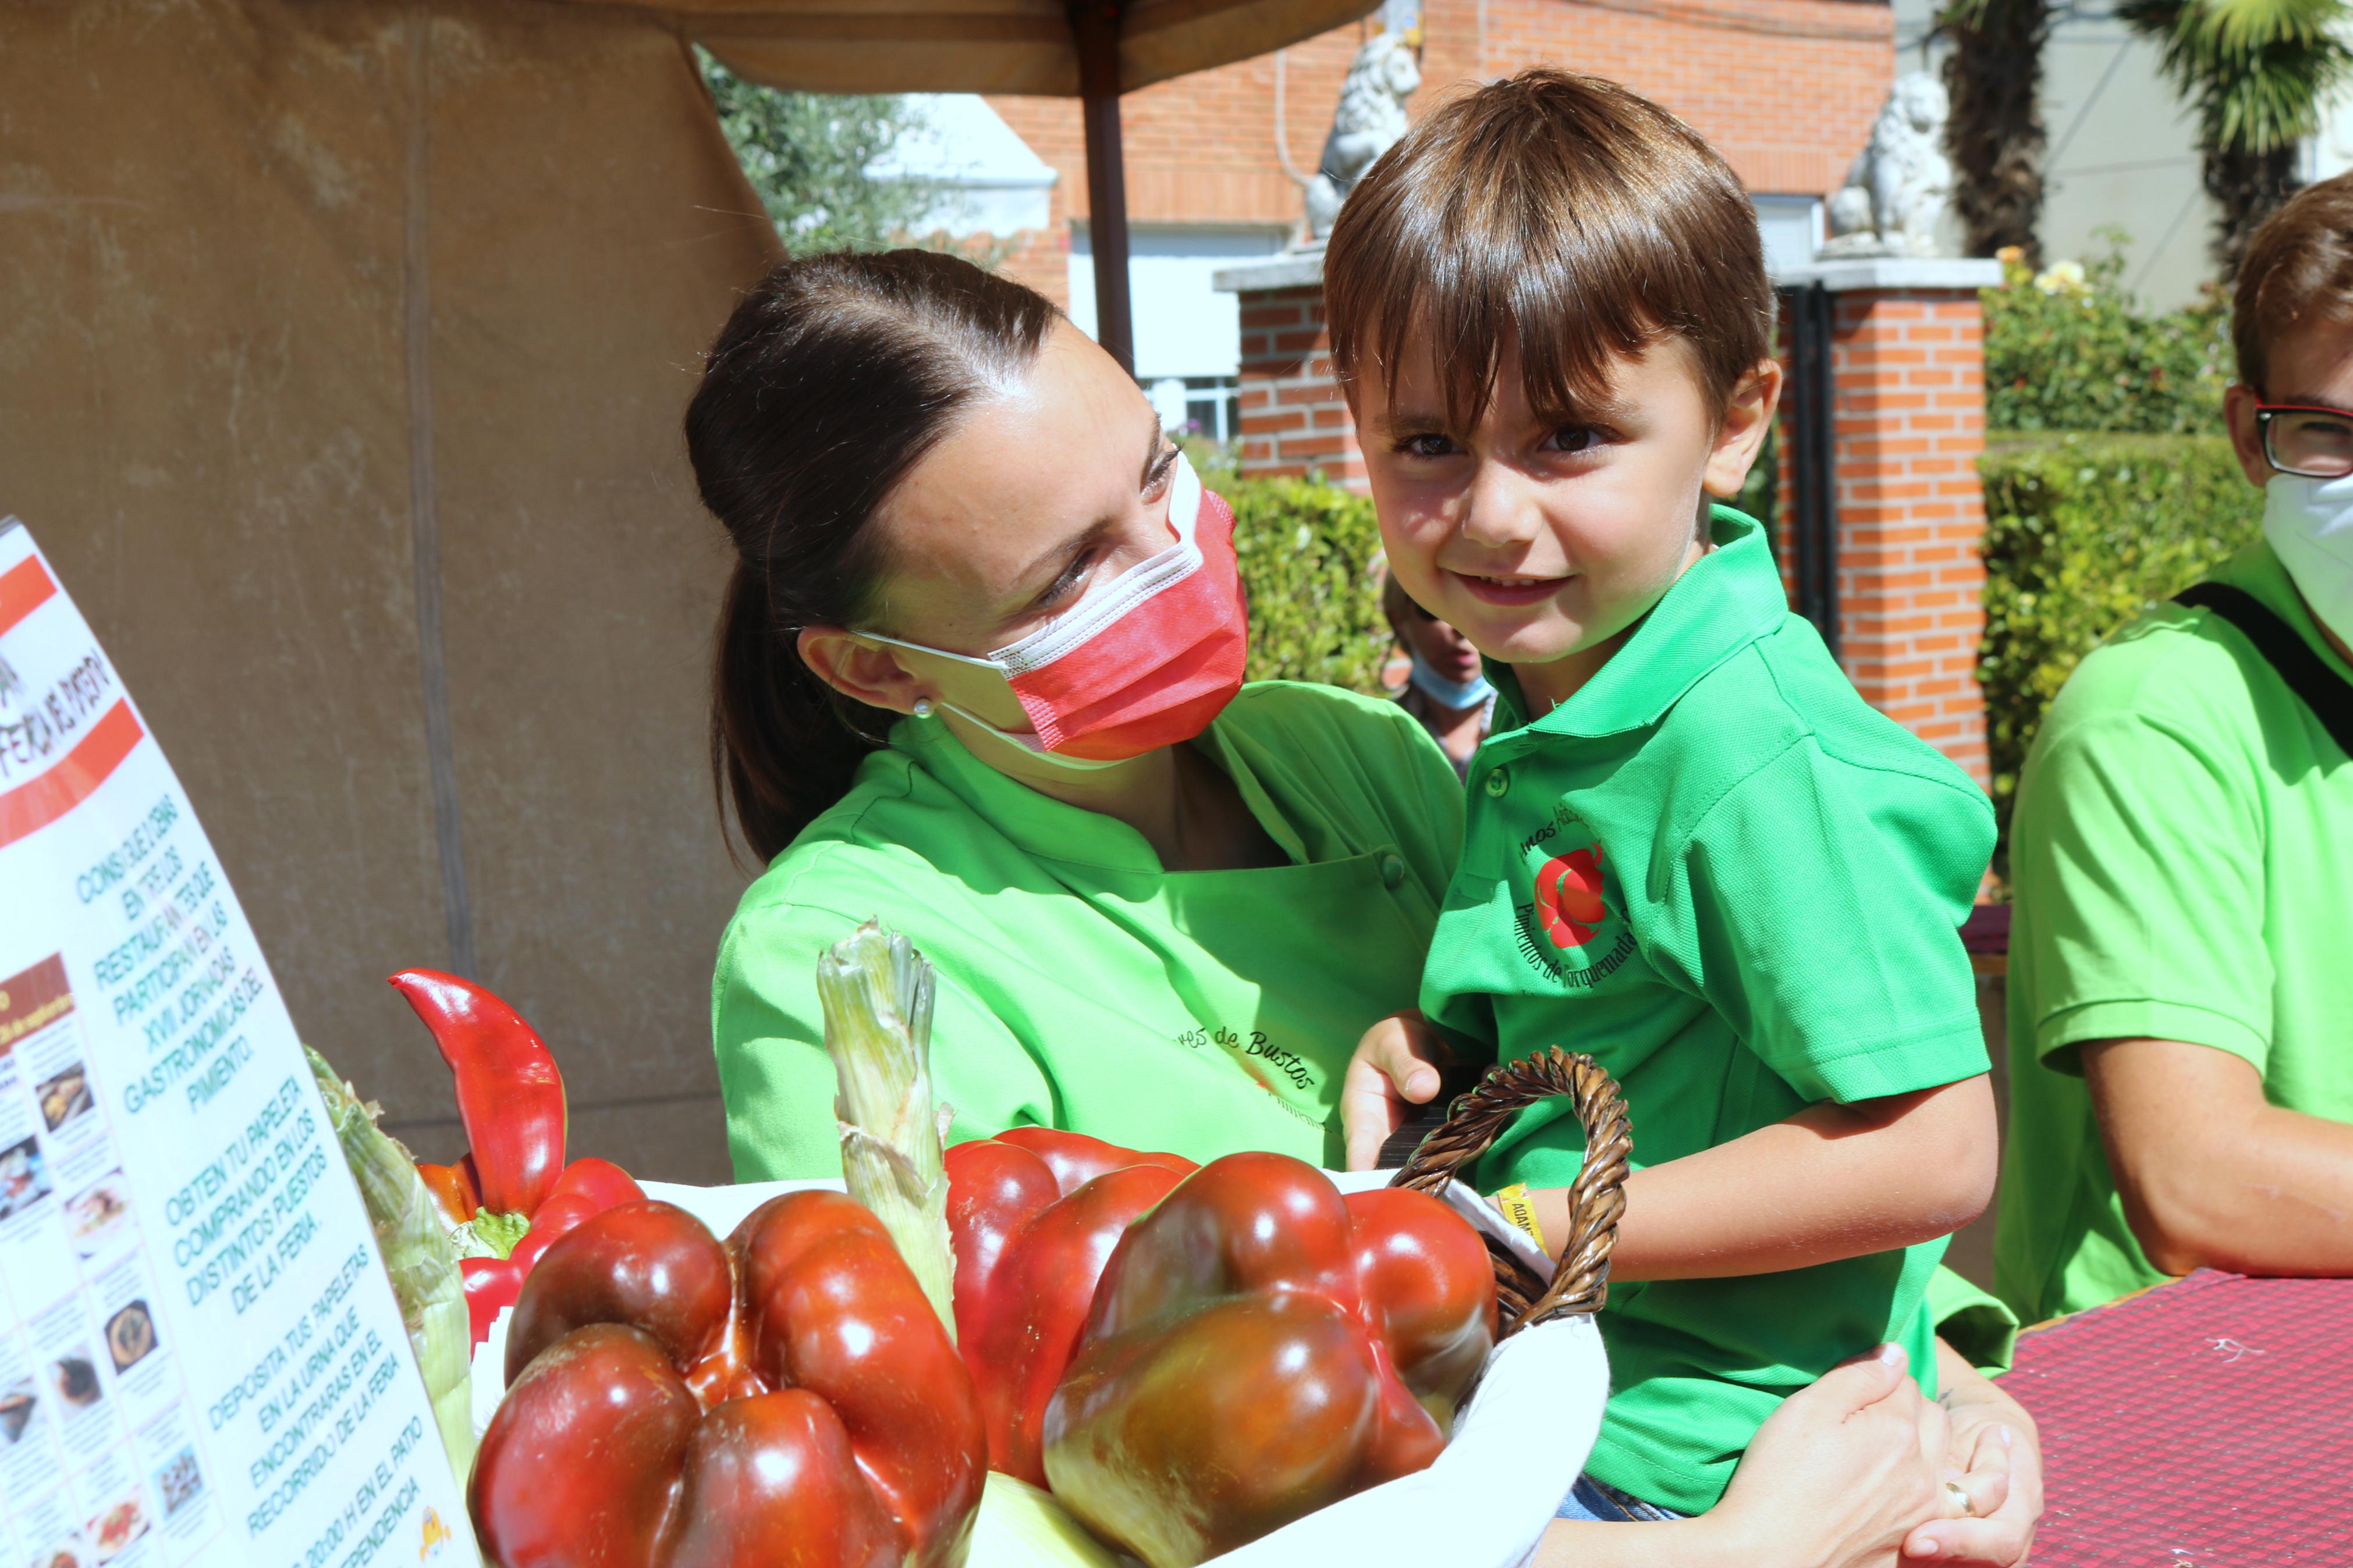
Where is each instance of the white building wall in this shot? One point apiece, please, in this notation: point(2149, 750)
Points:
point(1183, 328)
point(2122, 153)
point(988, 179)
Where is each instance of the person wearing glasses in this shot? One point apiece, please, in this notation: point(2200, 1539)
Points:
point(2181, 956)
point(1446, 689)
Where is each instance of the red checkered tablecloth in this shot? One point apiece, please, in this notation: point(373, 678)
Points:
point(2204, 1423)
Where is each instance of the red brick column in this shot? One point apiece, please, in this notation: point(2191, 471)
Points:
point(1294, 419)
point(1908, 422)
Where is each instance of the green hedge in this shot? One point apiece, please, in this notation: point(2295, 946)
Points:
point(1307, 552)
point(2081, 531)
point(2070, 349)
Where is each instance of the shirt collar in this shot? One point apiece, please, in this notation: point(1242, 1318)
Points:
point(2259, 571)
point(1051, 829)
point(1727, 599)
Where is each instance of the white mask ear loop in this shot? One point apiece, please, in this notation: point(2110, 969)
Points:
point(1028, 747)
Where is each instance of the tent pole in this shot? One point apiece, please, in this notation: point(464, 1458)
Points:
point(1094, 26)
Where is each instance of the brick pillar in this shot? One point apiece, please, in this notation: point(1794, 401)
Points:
point(1294, 420)
point(1908, 422)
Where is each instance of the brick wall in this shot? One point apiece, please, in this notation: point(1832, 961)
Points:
point(1786, 89)
point(1294, 420)
point(1909, 422)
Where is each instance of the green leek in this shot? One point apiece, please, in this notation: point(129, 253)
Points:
point(877, 991)
point(417, 1254)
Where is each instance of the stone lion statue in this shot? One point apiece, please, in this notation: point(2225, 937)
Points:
point(1897, 191)
point(1369, 120)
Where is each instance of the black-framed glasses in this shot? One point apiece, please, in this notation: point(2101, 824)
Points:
point(2308, 439)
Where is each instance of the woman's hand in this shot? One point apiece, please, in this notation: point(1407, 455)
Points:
point(1990, 1431)
point(1842, 1472)
point(1834, 1478)
point(1394, 1070)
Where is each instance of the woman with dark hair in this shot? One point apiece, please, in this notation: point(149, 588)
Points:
point(979, 674)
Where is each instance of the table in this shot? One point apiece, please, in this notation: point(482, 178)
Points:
point(2207, 1423)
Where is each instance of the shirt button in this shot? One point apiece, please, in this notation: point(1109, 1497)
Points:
point(1498, 781)
point(1392, 870)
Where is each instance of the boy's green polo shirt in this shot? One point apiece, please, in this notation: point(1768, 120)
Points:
point(1781, 875)
point(2182, 860)
point(1081, 986)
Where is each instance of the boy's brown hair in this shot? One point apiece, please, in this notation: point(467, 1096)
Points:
point(1558, 212)
point(2298, 269)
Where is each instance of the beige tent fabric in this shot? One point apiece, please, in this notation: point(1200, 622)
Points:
point(313, 315)
point(986, 45)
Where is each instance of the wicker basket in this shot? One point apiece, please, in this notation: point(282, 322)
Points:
point(1475, 1120)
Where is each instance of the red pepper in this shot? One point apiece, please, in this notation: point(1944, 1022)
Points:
point(490, 1283)
point(455, 1192)
point(787, 1397)
point(1261, 1347)
point(510, 1095)
point(511, 1098)
point(1034, 1215)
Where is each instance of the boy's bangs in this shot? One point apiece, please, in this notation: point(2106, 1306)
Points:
point(1559, 218)
point(1465, 306)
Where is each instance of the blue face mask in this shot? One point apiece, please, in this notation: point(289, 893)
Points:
point(1448, 693)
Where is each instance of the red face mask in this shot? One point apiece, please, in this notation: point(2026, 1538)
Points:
point(1144, 663)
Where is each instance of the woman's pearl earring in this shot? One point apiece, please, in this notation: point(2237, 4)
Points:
point(923, 707)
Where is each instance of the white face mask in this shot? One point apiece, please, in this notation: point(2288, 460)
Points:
point(2309, 523)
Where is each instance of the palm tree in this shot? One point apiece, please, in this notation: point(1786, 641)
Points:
point(1995, 135)
point(2256, 72)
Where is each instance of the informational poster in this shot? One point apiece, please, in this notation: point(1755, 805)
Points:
point(201, 1360)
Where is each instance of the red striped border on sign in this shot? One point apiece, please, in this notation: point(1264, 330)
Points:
point(34, 805)
point(24, 588)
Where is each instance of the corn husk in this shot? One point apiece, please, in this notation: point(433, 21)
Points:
point(876, 992)
point(417, 1255)
point(1021, 1526)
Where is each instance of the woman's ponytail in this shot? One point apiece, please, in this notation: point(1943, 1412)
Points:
point(833, 378)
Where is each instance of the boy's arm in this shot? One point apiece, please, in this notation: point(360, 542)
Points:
point(1832, 1181)
point(1815, 906)
point(2210, 1172)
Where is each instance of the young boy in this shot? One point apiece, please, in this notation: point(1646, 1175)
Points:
point(2181, 1092)
point(1691, 850)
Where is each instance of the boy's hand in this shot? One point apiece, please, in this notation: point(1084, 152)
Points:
point(1393, 1069)
point(1991, 1433)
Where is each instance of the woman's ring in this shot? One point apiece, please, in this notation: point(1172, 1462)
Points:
point(1961, 1499)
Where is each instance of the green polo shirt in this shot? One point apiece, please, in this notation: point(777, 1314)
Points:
point(1782, 872)
point(2182, 860)
point(1082, 985)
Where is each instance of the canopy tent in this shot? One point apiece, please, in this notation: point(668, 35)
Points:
point(343, 345)
point(1094, 49)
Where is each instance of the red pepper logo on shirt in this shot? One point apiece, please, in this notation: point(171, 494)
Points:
point(1569, 897)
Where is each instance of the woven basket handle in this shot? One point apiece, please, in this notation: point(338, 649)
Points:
point(1581, 1283)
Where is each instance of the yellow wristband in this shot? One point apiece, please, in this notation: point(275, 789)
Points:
point(1521, 1210)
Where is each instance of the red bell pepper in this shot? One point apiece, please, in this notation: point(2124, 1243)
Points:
point(1261, 1347)
point(491, 1284)
point(1034, 1215)
point(788, 1397)
point(513, 1186)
